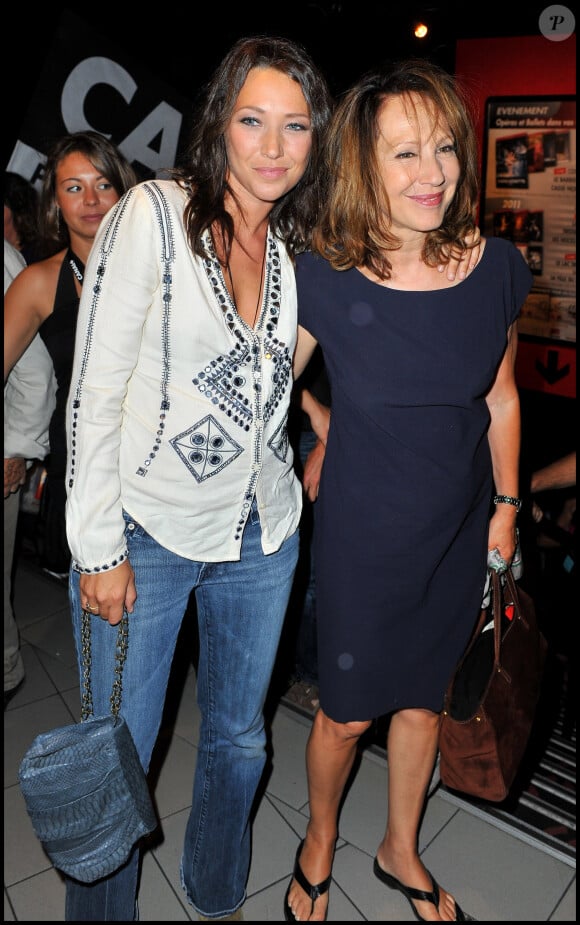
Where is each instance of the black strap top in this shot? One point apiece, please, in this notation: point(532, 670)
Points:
point(58, 334)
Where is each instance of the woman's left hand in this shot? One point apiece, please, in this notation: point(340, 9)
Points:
point(502, 534)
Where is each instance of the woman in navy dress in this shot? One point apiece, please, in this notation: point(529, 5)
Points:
point(424, 429)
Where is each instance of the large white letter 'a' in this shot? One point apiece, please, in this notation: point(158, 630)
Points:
point(163, 122)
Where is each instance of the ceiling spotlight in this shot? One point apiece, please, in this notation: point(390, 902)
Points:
point(421, 30)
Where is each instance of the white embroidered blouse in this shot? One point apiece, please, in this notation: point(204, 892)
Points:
point(177, 409)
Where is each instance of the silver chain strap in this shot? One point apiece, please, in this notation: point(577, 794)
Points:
point(120, 658)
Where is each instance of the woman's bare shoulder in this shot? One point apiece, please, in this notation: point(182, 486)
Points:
point(35, 285)
point(42, 272)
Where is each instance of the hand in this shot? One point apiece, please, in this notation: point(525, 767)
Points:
point(320, 421)
point(14, 475)
point(313, 469)
point(318, 413)
point(469, 259)
point(502, 533)
point(110, 593)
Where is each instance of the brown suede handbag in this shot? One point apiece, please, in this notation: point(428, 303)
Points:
point(491, 700)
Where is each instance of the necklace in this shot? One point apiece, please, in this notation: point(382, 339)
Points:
point(262, 271)
point(73, 262)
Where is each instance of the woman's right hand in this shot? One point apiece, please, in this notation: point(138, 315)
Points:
point(109, 594)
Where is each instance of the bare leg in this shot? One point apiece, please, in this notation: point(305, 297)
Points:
point(330, 753)
point(411, 753)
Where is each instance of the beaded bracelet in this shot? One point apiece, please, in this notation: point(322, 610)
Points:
point(507, 499)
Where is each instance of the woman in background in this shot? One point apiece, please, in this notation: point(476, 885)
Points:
point(84, 176)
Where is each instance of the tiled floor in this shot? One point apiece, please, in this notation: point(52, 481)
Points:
point(495, 874)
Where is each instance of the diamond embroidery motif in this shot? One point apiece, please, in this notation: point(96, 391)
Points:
point(224, 381)
point(279, 441)
point(206, 448)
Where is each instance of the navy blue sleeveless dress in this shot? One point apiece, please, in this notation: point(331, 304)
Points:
point(402, 515)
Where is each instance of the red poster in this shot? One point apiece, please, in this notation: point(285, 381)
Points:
point(529, 197)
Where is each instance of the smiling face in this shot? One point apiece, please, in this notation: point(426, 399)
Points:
point(269, 137)
point(83, 195)
point(418, 164)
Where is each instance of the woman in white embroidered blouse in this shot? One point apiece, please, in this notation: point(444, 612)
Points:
point(180, 476)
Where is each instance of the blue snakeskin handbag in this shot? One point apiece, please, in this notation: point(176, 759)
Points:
point(84, 787)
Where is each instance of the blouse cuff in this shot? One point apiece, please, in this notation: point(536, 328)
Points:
point(98, 569)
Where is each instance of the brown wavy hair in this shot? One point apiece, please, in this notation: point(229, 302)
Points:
point(103, 155)
point(354, 228)
point(205, 168)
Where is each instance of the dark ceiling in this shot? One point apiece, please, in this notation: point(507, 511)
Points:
point(343, 35)
point(346, 37)
point(181, 46)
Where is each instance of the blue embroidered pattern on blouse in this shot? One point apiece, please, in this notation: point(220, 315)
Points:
point(281, 373)
point(206, 448)
point(226, 380)
point(168, 256)
point(279, 441)
point(223, 382)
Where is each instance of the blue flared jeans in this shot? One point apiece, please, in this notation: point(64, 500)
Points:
point(240, 608)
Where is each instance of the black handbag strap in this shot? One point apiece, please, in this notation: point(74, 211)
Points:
point(497, 602)
point(497, 599)
point(120, 658)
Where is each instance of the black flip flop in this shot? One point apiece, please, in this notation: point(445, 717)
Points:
point(312, 891)
point(422, 895)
